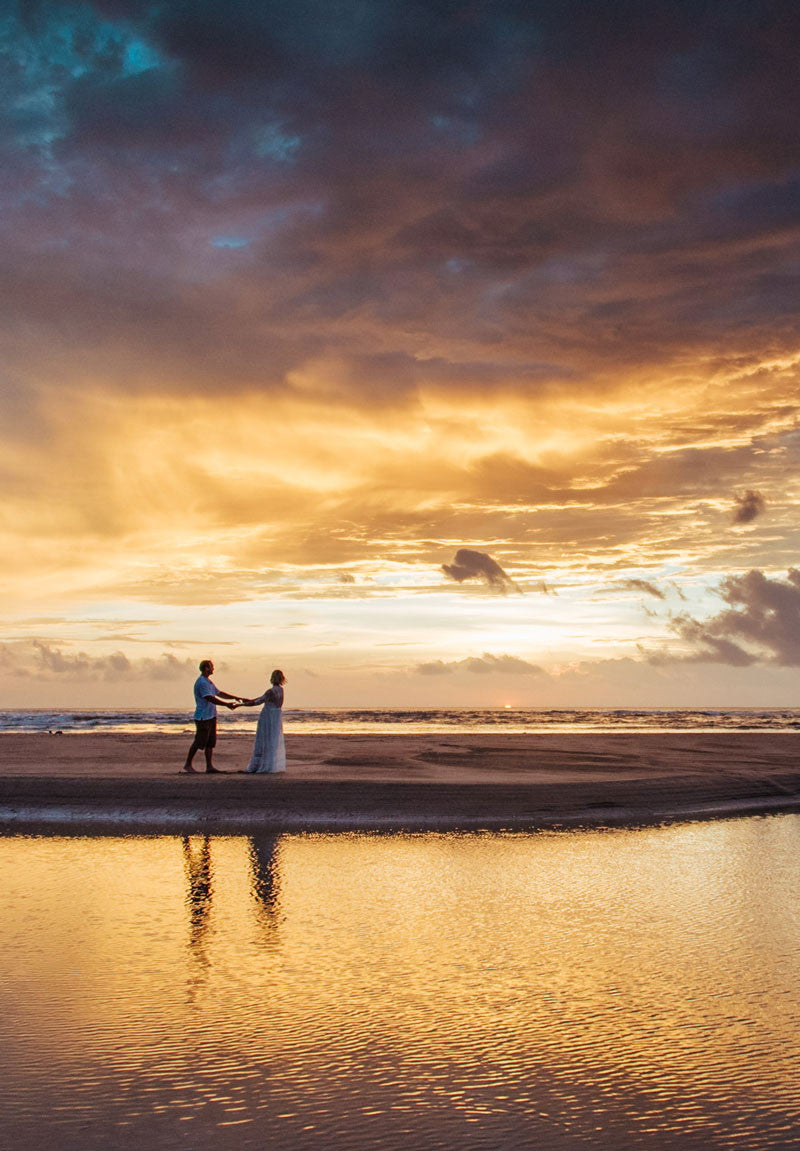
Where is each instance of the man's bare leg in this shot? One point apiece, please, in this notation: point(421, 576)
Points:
point(210, 769)
point(190, 756)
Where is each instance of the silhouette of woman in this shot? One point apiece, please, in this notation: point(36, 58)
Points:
point(269, 749)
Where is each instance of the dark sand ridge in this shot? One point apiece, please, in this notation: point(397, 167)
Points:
point(398, 781)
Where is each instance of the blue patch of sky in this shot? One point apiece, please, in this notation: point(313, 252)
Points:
point(266, 224)
point(39, 68)
point(271, 142)
point(86, 44)
point(233, 242)
point(140, 57)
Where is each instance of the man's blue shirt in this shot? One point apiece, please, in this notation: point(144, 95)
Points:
point(204, 708)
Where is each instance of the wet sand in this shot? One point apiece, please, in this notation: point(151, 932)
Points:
point(396, 782)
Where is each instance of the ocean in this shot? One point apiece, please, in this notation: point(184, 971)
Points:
point(432, 720)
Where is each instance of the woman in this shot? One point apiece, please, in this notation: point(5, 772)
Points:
point(269, 750)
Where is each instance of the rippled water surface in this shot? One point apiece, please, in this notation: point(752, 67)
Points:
point(609, 989)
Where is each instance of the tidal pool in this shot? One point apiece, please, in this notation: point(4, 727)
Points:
point(611, 989)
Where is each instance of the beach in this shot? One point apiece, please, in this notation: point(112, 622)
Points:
point(352, 782)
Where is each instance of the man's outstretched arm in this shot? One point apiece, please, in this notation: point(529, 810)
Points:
point(218, 699)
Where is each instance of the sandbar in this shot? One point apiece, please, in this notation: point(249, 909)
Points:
point(396, 782)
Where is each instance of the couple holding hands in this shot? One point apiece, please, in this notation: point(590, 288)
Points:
point(269, 750)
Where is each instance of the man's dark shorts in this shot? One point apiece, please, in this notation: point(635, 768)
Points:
point(206, 734)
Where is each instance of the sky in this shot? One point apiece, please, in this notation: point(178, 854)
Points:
point(438, 353)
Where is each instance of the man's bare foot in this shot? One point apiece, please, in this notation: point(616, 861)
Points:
point(188, 767)
point(214, 771)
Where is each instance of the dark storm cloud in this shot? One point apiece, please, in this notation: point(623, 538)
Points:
point(748, 507)
point(470, 564)
point(576, 185)
point(760, 624)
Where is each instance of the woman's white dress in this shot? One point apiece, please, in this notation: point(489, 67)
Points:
point(269, 749)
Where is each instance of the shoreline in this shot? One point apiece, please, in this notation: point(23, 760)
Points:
point(355, 782)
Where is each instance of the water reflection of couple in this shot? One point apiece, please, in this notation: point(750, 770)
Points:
point(264, 859)
point(269, 749)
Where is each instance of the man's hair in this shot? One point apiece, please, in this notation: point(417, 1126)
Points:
point(204, 665)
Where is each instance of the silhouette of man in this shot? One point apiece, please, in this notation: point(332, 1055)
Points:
point(206, 696)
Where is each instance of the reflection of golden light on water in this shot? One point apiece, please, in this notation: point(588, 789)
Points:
point(640, 973)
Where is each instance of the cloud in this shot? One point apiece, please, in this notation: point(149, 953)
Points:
point(469, 564)
point(318, 282)
point(709, 647)
point(42, 660)
point(481, 665)
point(748, 507)
point(760, 625)
point(642, 585)
point(490, 183)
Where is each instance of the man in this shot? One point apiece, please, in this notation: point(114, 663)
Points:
point(207, 695)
